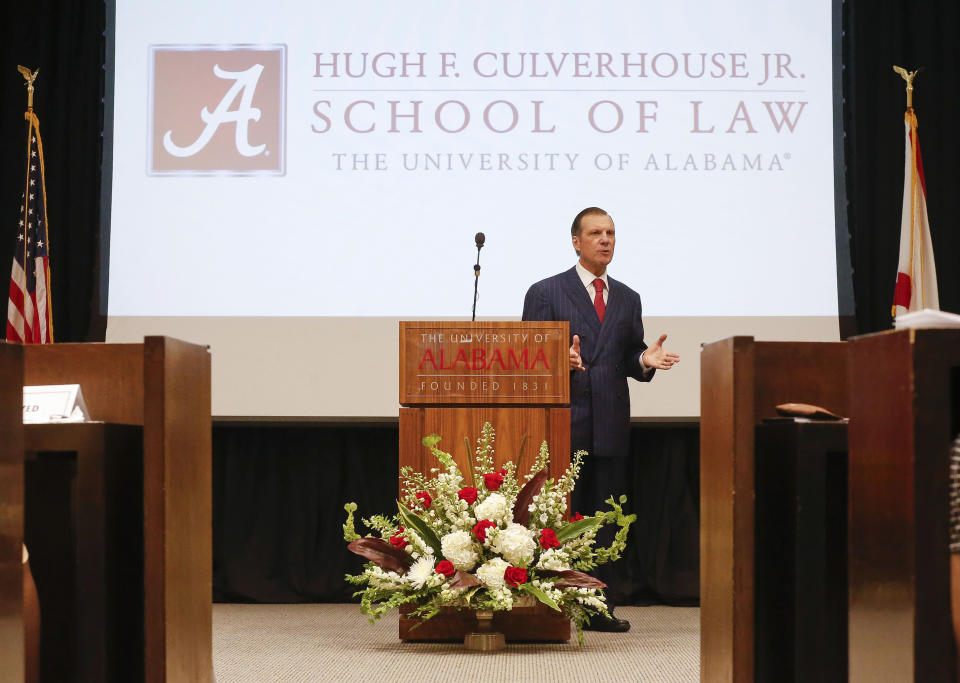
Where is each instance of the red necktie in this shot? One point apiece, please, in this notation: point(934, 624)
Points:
point(598, 301)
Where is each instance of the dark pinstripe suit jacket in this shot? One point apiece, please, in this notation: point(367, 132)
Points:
point(599, 401)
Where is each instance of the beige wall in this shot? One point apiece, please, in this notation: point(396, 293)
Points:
point(347, 367)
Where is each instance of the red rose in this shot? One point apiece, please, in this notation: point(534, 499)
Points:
point(425, 499)
point(576, 517)
point(515, 576)
point(548, 539)
point(492, 480)
point(397, 540)
point(446, 568)
point(469, 494)
point(480, 529)
point(502, 472)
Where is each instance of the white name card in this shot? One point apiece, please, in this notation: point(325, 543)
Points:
point(54, 403)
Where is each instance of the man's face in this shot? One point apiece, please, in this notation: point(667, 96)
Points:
point(595, 242)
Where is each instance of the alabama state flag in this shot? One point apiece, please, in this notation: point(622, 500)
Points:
point(916, 287)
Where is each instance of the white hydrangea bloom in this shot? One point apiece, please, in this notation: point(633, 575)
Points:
point(420, 572)
point(491, 572)
point(458, 547)
point(495, 508)
point(515, 543)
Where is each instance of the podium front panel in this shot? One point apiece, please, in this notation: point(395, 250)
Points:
point(519, 430)
point(478, 363)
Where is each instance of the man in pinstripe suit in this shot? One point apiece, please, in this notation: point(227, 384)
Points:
point(606, 348)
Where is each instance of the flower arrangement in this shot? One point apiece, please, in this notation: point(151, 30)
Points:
point(485, 543)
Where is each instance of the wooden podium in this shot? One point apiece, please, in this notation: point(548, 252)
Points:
point(901, 391)
point(741, 381)
point(904, 413)
point(163, 385)
point(454, 376)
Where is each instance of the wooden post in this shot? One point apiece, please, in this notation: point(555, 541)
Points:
point(11, 512)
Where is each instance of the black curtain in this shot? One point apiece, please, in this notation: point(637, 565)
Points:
point(65, 41)
point(278, 511)
point(908, 34)
point(278, 497)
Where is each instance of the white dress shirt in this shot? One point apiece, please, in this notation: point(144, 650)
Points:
point(587, 278)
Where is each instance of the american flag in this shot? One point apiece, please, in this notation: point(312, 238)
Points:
point(29, 311)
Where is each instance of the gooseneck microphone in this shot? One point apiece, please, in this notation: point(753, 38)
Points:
point(479, 238)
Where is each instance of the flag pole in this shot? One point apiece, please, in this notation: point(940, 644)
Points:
point(916, 286)
point(911, 118)
point(29, 77)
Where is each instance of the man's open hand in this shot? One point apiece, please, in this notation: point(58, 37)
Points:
point(655, 356)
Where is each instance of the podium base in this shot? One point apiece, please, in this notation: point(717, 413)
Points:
point(535, 624)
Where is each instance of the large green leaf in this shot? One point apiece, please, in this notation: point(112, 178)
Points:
point(413, 520)
point(578, 528)
point(539, 595)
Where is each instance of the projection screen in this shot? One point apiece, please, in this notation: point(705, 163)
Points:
point(290, 179)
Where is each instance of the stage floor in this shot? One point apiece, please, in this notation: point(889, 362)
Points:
point(334, 642)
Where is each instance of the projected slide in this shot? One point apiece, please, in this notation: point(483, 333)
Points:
point(308, 160)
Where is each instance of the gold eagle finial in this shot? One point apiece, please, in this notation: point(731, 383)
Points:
point(29, 77)
point(908, 76)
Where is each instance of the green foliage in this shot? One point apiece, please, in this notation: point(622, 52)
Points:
point(445, 458)
point(381, 591)
point(376, 602)
point(414, 482)
point(616, 516)
point(578, 528)
point(483, 462)
point(539, 595)
point(522, 452)
point(349, 533)
point(569, 479)
point(413, 521)
point(384, 525)
point(542, 461)
point(424, 612)
point(472, 466)
point(510, 487)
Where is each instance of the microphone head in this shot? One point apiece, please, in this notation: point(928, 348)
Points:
point(479, 238)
